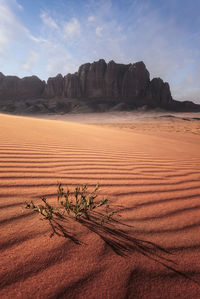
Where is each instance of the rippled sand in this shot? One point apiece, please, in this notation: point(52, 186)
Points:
point(149, 169)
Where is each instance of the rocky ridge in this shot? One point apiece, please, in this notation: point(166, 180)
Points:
point(97, 86)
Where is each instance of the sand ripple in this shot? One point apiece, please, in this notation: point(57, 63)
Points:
point(151, 251)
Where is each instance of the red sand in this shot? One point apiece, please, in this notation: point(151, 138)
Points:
point(152, 177)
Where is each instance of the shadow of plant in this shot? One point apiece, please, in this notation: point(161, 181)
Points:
point(122, 242)
point(61, 231)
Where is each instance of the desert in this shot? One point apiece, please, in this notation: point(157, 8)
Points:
point(149, 168)
point(99, 149)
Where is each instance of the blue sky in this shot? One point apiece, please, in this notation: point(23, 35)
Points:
point(47, 37)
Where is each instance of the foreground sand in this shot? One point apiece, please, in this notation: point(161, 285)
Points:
point(151, 176)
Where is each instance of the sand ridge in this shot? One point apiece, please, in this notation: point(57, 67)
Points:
point(152, 251)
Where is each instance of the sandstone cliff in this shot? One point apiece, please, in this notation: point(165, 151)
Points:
point(13, 88)
point(96, 86)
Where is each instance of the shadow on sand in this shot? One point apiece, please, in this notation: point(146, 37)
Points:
point(123, 243)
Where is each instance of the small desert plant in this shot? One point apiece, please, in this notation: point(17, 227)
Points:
point(78, 203)
point(45, 210)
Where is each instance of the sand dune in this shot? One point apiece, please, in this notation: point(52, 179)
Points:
point(152, 177)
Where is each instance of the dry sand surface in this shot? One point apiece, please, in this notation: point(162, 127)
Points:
point(149, 169)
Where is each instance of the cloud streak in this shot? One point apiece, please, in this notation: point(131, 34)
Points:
point(47, 20)
point(9, 27)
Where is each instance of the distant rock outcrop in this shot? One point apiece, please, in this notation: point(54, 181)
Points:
point(13, 88)
point(96, 86)
point(54, 87)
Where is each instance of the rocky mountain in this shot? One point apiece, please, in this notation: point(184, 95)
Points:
point(97, 86)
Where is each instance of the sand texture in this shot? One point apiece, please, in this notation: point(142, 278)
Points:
point(150, 174)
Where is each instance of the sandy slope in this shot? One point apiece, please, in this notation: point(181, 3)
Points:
point(153, 179)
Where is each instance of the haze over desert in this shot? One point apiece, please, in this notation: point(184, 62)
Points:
point(149, 168)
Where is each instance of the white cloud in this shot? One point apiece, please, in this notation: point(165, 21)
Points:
point(36, 39)
point(60, 64)
point(99, 31)
point(91, 19)
point(20, 7)
point(31, 60)
point(47, 20)
point(10, 28)
point(72, 28)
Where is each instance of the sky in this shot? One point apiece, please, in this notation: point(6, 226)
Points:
point(47, 37)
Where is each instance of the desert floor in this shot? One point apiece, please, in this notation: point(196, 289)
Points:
point(149, 168)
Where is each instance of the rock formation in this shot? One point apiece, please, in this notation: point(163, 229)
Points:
point(96, 86)
point(54, 86)
point(13, 88)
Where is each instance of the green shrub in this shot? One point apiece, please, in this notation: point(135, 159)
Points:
point(79, 203)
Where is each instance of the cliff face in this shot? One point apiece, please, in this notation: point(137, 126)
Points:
point(13, 88)
point(98, 85)
point(54, 86)
point(101, 80)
